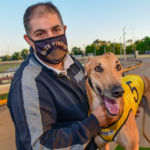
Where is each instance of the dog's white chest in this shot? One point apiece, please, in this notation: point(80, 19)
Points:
point(96, 102)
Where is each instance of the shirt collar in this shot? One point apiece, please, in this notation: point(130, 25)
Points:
point(68, 61)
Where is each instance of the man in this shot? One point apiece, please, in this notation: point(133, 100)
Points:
point(47, 99)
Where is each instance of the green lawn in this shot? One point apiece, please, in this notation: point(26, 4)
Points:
point(141, 148)
point(5, 67)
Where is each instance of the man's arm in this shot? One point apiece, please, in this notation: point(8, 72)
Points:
point(36, 124)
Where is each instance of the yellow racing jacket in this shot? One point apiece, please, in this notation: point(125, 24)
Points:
point(134, 87)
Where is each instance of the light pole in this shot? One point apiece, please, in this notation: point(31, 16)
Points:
point(124, 47)
point(133, 40)
point(105, 48)
point(114, 46)
point(84, 51)
point(95, 50)
point(120, 47)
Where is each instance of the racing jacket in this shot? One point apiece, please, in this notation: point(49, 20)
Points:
point(50, 110)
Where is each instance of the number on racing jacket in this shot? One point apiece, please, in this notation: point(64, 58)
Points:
point(132, 90)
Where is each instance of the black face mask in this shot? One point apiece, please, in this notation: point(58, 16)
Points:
point(51, 50)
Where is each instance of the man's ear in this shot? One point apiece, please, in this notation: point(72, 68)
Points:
point(65, 28)
point(28, 40)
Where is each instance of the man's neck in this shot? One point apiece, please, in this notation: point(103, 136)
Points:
point(59, 66)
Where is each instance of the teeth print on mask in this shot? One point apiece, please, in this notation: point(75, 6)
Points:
point(51, 50)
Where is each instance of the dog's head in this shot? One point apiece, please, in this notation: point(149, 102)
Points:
point(104, 77)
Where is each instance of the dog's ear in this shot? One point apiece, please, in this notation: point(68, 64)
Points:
point(109, 53)
point(86, 65)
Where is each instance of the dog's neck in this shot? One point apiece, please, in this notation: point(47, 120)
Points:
point(90, 83)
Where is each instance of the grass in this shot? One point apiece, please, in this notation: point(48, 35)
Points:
point(5, 67)
point(141, 148)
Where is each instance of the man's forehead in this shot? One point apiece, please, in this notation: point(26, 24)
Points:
point(41, 11)
point(41, 22)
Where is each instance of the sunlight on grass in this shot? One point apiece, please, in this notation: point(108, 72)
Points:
point(141, 148)
point(5, 67)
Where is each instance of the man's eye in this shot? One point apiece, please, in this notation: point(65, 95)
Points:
point(99, 69)
point(56, 30)
point(40, 34)
point(118, 67)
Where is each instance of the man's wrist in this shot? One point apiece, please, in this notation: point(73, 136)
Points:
point(92, 125)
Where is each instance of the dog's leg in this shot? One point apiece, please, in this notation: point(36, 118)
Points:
point(128, 136)
point(146, 104)
point(146, 94)
point(107, 146)
point(102, 145)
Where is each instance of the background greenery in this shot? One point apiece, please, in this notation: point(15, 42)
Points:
point(16, 55)
point(98, 47)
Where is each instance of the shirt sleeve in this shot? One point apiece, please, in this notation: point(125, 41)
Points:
point(35, 123)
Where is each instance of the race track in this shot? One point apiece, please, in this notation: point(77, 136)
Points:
point(7, 135)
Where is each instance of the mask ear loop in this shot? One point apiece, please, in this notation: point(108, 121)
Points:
point(30, 38)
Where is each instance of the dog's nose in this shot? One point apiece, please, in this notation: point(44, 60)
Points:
point(117, 91)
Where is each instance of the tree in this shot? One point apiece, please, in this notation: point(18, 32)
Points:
point(117, 48)
point(99, 46)
point(76, 51)
point(16, 56)
point(143, 45)
point(6, 58)
point(90, 49)
point(101, 49)
point(97, 41)
point(129, 49)
point(24, 53)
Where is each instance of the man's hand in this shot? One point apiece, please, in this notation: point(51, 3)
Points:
point(102, 116)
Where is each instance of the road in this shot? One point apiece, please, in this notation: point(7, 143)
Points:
point(7, 140)
point(7, 135)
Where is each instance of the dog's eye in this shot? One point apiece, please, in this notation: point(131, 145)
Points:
point(99, 69)
point(118, 67)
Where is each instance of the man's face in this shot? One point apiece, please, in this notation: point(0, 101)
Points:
point(45, 26)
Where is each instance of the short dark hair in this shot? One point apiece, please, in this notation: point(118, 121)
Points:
point(46, 7)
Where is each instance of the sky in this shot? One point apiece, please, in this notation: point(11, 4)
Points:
point(86, 20)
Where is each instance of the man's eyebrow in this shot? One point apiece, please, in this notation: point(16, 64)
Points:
point(39, 30)
point(56, 26)
point(43, 30)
